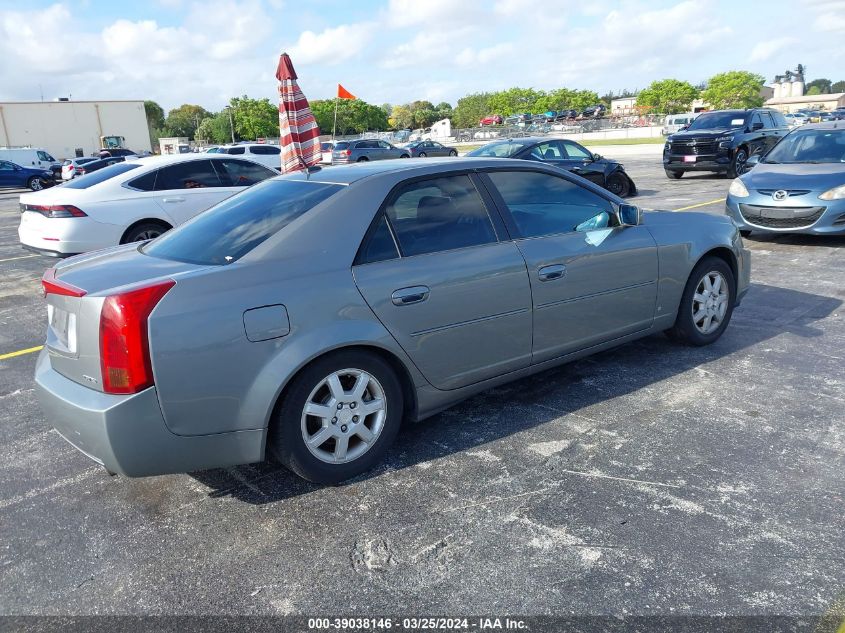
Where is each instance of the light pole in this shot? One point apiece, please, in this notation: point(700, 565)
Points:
point(231, 123)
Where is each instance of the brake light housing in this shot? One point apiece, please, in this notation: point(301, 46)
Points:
point(53, 286)
point(124, 338)
point(56, 210)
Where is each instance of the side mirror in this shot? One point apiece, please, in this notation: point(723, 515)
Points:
point(597, 157)
point(629, 215)
point(753, 160)
point(757, 126)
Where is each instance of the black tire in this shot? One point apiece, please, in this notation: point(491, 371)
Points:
point(453, 153)
point(685, 329)
point(618, 184)
point(674, 175)
point(405, 156)
point(144, 231)
point(422, 154)
point(745, 233)
point(286, 443)
point(737, 166)
point(363, 159)
point(35, 183)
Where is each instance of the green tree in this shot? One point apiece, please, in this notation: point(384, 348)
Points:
point(824, 86)
point(814, 90)
point(402, 117)
point(184, 120)
point(155, 114)
point(514, 101)
point(734, 89)
point(668, 96)
point(255, 118)
point(471, 109)
point(837, 87)
point(215, 129)
point(353, 116)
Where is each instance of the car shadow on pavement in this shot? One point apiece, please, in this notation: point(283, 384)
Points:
point(766, 312)
point(797, 239)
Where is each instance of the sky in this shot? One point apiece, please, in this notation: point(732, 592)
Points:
point(396, 51)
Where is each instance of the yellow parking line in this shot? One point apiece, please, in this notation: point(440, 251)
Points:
point(21, 352)
point(11, 259)
point(700, 204)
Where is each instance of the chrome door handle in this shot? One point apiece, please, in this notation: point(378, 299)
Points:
point(407, 296)
point(173, 200)
point(548, 273)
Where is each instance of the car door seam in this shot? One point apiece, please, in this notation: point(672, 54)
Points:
point(595, 294)
point(441, 328)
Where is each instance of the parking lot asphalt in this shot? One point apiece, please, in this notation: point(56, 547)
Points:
point(651, 479)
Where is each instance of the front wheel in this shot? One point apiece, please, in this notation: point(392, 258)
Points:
point(674, 175)
point(422, 154)
point(338, 417)
point(737, 166)
point(707, 303)
point(618, 184)
point(35, 183)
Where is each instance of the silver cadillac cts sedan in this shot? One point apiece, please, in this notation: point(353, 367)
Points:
point(308, 316)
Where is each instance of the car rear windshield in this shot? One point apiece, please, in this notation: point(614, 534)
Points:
point(503, 149)
point(718, 121)
point(101, 175)
point(341, 145)
point(810, 146)
point(228, 231)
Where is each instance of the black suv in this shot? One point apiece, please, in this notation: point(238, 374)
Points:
point(721, 141)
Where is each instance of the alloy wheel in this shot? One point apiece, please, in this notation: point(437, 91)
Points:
point(710, 302)
point(344, 416)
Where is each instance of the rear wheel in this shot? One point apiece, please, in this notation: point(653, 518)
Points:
point(144, 231)
point(707, 303)
point(674, 175)
point(618, 184)
point(422, 154)
point(338, 418)
point(453, 153)
point(363, 159)
point(35, 183)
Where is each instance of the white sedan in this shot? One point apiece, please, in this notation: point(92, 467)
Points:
point(130, 201)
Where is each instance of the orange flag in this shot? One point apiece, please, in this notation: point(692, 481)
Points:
point(343, 93)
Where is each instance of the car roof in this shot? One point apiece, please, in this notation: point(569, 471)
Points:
point(825, 125)
point(347, 174)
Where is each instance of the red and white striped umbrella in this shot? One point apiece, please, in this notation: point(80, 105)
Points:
point(299, 135)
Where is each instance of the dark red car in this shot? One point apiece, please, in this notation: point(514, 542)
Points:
point(491, 119)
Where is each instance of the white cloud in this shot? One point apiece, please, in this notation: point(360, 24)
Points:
point(765, 50)
point(332, 46)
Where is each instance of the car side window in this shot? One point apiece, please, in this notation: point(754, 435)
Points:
point(573, 150)
point(550, 150)
point(440, 214)
point(768, 121)
point(235, 150)
point(780, 120)
point(543, 204)
point(378, 245)
point(147, 182)
point(755, 119)
point(241, 173)
point(192, 174)
point(5, 166)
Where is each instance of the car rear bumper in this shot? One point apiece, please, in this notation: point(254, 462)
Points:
point(62, 237)
point(128, 435)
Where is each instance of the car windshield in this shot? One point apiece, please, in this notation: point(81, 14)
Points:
point(341, 145)
point(228, 231)
point(718, 121)
point(502, 149)
point(101, 175)
point(810, 146)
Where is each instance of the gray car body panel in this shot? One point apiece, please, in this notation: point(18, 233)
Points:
point(216, 390)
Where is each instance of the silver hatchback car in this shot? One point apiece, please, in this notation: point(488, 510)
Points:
point(308, 316)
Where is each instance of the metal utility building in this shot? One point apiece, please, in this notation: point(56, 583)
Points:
point(71, 128)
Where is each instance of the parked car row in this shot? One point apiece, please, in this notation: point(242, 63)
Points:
point(550, 116)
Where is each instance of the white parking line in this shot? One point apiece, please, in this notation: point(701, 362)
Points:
point(11, 259)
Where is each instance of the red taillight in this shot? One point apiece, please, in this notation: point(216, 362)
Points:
point(56, 210)
point(346, 152)
point(80, 171)
point(53, 286)
point(124, 346)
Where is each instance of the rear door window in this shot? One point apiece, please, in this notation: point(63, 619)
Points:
point(235, 150)
point(242, 173)
point(147, 182)
point(438, 215)
point(192, 174)
point(229, 230)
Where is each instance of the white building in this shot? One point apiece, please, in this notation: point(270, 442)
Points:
point(623, 106)
point(70, 128)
